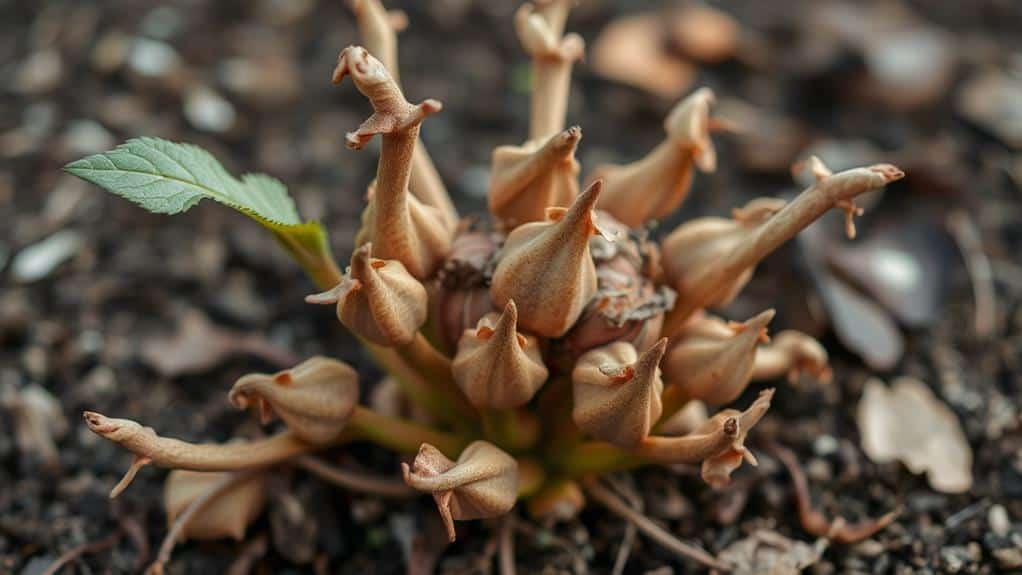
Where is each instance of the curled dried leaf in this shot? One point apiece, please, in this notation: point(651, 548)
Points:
point(907, 423)
point(617, 392)
point(540, 29)
point(654, 186)
point(791, 353)
point(402, 226)
point(228, 514)
point(716, 275)
point(315, 398)
point(547, 269)
point(719, 443)
point(378, 300)
point(631, 50)
point(705, 242)
point(482, 483)
point(528, 179)
point(495, 365)
point(713, 360)
point(38, 422)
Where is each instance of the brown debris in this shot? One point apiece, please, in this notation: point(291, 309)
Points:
point(813, 520)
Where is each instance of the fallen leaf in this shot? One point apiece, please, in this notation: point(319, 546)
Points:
point(705, 34)
point(631, 51)
point(200, 345)
point(993, 101)
point(769, 552)
point(907, 423)
point(226, 515)
point(38, 422)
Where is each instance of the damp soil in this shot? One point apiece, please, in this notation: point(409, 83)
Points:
point(250, 82)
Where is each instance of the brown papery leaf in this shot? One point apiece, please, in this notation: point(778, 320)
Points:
point(631, 51)
point(906, 422)
point(226, 515)
point(200, 345)
point(770, 552)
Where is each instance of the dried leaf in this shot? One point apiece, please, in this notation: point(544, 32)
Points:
point(770, 552)
point(199, 346)
point(906, 422)
point(630, 51)
point(227, 515)
point(38, 422)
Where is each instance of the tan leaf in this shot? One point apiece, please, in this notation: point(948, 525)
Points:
point(907, 423)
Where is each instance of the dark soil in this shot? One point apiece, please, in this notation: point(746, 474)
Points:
point(67, 91)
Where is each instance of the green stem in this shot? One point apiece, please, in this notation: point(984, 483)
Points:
point(595, 457)
point(515, 430)
point(435, 368)
point(555, 406)
point(401, 435)
point(316, 259)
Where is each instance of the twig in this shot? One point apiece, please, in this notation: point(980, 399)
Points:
point(651, 529)
point(254, 550)
point(967, 236)
point(93, 547)
point(193, 508)
point(812, 520)
point(355, 480)
point(628, 541)
point(506, 554)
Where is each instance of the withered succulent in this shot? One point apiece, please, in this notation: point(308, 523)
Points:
point(553, 343)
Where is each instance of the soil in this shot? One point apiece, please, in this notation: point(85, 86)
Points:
point(78, 80)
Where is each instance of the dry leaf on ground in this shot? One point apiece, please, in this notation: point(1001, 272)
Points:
point(906, 422)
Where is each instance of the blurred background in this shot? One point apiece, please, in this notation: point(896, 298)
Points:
point(96, 293)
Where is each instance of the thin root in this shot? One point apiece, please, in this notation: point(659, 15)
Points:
point(214, 491)
point(506, 545)
point(813, 521)
point(355, 480)
point(651, 529)
point(965, 234)
point(83, 549)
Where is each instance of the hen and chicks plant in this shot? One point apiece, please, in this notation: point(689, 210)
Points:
point(531, 351)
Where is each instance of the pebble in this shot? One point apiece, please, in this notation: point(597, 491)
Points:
point(911, 68)
point(825, 445)
point(39, 73)
point(152, 59)
point(208, 111)
point(162, 23)
point(39, 260)
point(999, 521)
point(993, 101)
point(85, 137)
point(955, 558)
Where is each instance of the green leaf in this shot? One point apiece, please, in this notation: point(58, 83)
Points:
point(168, 178)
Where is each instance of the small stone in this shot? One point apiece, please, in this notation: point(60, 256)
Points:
point(85, 137)
point(110, 52)
point(39, 73)
point(208, 111)
point(825, 445)
point(993, 101)
point(39, 260)
point(162, 23)
point(911, 68)
point(153, 59)
point(269, 80)
point(869, 548)
point(999, 521)
point(819, 470)
point(1009, 557)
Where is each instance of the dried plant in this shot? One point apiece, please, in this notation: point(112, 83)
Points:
point(555, 345)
